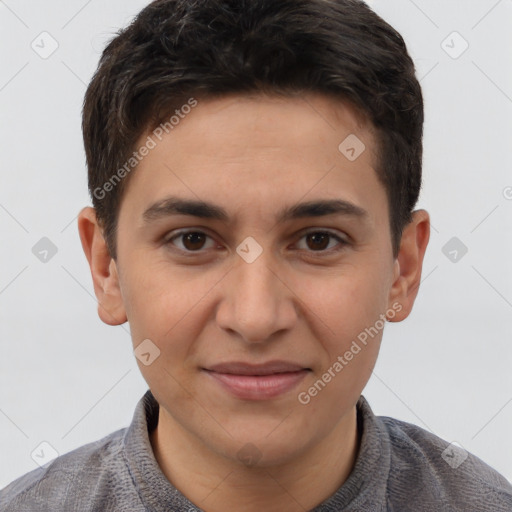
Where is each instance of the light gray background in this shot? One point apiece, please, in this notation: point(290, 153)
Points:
point(68, 379)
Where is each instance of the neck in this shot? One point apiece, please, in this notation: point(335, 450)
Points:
point(215, 483)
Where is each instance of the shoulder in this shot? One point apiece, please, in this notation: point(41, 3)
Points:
point(442, 472)
point(69, 480)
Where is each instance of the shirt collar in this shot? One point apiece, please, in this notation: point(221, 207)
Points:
point(364, 489)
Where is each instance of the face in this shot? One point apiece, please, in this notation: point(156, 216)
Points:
point(267, 305)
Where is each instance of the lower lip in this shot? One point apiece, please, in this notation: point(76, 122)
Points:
point(259, 387)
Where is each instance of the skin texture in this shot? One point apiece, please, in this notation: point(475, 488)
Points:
point(301, 300)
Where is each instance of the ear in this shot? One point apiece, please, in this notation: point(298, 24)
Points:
point(103, 269)
point(408, 265)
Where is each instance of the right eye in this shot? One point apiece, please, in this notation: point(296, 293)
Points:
point(191, 241)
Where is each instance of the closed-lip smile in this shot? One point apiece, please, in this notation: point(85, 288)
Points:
point(257, 381)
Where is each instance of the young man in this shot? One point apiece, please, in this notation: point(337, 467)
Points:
point(254, 166)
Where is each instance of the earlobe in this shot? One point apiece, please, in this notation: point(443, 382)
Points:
point(103, 269)
point(409, 263)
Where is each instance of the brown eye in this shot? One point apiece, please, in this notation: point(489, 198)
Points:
point(191, 241)
point(318, 241)
point(322, 241)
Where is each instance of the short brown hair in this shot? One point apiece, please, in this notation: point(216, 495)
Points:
point(176, 49)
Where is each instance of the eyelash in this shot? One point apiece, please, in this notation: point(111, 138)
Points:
point(342, 242)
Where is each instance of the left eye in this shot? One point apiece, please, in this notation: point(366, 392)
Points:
point(320, 240)
point(194, 241)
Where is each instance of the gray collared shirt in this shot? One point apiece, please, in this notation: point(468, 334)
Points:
point(400, 467)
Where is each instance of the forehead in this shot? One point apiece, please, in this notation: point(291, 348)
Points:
point(309, 116)
point(241, 148)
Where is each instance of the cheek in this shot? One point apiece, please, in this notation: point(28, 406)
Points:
point(351, 330)
point(345, 304)
point(170, 308)
point(169, 311)
point(157, 297)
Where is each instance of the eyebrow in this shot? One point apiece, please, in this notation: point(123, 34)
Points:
point(196, 208)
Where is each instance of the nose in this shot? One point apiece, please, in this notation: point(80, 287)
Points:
point(256, 301)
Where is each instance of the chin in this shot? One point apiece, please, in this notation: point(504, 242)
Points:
point(260, 451)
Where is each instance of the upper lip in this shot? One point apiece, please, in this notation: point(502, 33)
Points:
point(269, 368)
